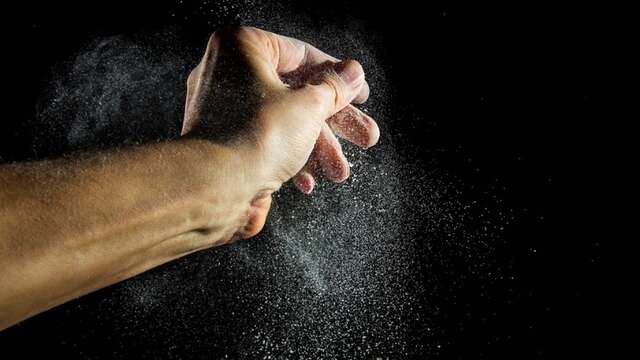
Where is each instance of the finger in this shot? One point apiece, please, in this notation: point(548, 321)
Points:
point(313, 56)
point(257, 216)
point(330, 158)
point(185, 126)
point(363, 95)
point(355, 126)
point(304, 181)
point(331, 90)
point(290, 60)
point(288, 54)
point(191, 85)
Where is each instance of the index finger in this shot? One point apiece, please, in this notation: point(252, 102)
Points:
point(289, 54)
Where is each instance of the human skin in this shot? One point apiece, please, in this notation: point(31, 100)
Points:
point(261, 109)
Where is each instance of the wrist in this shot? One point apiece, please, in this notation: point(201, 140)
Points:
point(217, 171)
point(229, 182)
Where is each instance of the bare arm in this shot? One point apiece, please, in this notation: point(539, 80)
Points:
point(71, 226)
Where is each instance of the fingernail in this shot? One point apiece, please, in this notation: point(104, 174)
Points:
point(350, 71)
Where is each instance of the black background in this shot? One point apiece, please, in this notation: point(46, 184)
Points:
point(502, 85)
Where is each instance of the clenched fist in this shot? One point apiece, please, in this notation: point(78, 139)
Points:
point(279, 102)
point(261, 109)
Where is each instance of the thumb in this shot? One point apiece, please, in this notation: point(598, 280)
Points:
point(332, 89)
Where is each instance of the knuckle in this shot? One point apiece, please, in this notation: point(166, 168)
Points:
point(191, 78)
point(214, 38)
point(317, 96)
point(251, 230)
point(236, 32)
point(334, 83)
point(243, 31)
point(225, 34)
point(357, 65)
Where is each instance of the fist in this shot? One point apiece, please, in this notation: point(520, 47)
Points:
point(280, 103)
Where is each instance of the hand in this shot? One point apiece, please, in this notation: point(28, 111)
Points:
point(261, 109)
point(278, 102)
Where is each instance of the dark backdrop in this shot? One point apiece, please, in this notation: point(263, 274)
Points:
point(500, 85)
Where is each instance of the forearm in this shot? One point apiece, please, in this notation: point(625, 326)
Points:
point(71, 226)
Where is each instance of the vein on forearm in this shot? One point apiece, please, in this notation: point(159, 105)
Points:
point(71, 226)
